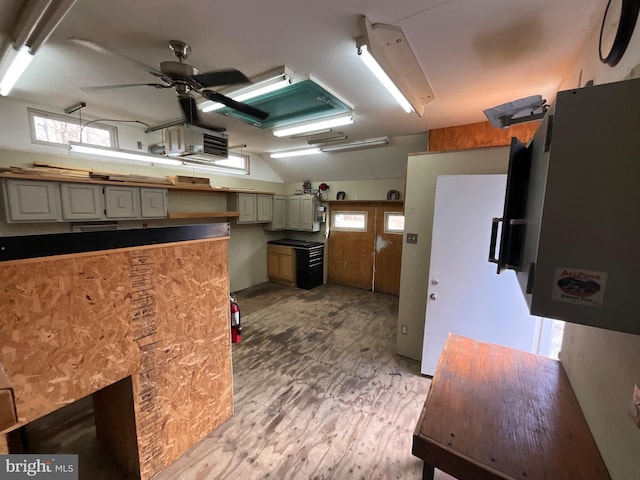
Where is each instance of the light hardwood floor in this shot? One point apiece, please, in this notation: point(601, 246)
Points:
point(319, 393)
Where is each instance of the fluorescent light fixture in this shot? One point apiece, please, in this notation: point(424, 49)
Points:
point(356, 144)
point(295, 153)
point(314, 126)
point(122, 154)
point(385, 50)
point(383, 78)
point(12, 66)
point(263, 84)
point(34, 25)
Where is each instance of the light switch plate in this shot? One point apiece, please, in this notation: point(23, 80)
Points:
point(412, 238)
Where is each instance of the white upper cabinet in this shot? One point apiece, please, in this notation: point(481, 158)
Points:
point(31, 200)
point(81, 201)
point(153, 202)
point(265, 208)
point(122, 202)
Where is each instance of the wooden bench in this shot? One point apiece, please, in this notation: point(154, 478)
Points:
point(497, 413)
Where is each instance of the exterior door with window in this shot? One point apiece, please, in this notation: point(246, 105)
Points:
point(350, 246)
point(388, 248)
point(365, 246)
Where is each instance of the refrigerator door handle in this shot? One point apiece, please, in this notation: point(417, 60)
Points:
point(494, 239)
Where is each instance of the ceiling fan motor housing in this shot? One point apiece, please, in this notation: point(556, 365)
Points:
point(171, 69)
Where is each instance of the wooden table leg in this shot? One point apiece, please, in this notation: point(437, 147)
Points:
point(427, 471)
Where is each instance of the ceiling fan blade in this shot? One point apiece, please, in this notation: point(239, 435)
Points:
point(229, 76)
point(96, 47)
point(231, 103)
point(189, 109)
point(192, 116)
point(101, 88)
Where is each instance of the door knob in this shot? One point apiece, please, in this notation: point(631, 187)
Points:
point(433, 296)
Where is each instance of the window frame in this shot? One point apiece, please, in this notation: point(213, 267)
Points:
point(389, 231)
point(209, 163)
point(350, 212)
point(32, 113)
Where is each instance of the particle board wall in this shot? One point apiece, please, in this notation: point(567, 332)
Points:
point(74, 324)
point(477, 135)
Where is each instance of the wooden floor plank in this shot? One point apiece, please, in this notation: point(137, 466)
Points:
point(319, 392)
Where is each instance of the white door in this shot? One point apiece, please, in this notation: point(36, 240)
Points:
point(465, 295)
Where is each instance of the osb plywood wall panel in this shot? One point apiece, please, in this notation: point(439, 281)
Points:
point(71, 326)
point(476, 135)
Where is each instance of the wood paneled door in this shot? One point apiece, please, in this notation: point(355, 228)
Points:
point(350, 253)
point(367, 258)
point(388, 253)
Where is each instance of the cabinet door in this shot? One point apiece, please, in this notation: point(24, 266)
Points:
point(265, 208)
point(307, 213)
point(293, 222)
point(153, 202)
point(81, 201)
point(247, 207)
point(279, 221)
point(122, 202)
point(32, 201)
point(273, 266)
point(286, 268)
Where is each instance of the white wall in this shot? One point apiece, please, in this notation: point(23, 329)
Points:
point(603, 366)
point(355, 189)
point(422, 173)
point(247, 246)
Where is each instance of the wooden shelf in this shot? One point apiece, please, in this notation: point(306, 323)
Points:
point(377, 202)
point(174, 215)
point(72, 179)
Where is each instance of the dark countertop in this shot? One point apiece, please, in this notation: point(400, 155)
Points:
point(289, 242)
point(35, 246)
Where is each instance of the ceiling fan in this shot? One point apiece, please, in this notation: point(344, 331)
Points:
point(184, 79)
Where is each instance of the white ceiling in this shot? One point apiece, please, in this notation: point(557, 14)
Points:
point(475, 54)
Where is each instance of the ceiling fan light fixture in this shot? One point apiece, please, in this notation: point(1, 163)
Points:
point(314, 126)
point(268, 82)
point(295, 153)
point(121, 154)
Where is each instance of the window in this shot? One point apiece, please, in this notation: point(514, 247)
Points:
point(54, 129)
point(393, 222)
point(234, 163)
point(349, 221)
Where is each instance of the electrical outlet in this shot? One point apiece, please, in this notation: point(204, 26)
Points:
point(412, 238)
point(635, 405)
point(404, 329)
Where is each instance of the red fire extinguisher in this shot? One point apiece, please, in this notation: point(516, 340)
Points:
point(236, 328)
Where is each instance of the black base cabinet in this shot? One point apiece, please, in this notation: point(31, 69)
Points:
point(309, 267)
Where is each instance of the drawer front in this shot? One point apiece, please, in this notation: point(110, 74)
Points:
point(283, 249)
point(319, 253)
point(316, 263)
